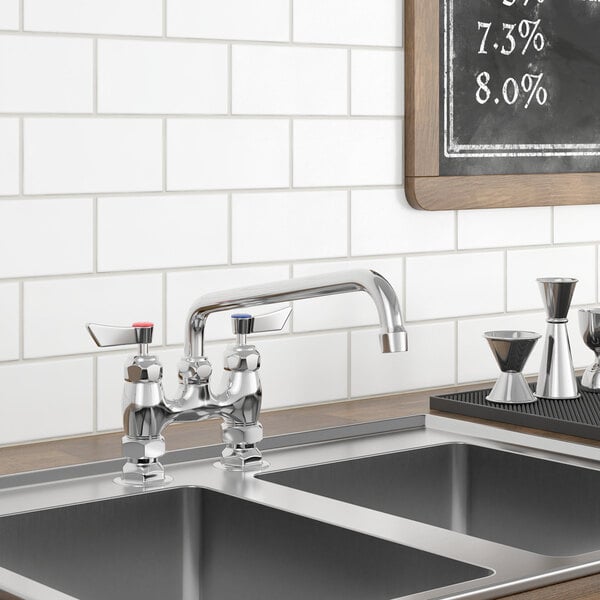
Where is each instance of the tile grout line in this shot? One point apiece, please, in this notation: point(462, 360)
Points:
point(216, 116)
point(403, 297)
point(291, 157)
point(164, 155)
point(230, 230)
point(349, 223)
point(341, 258)
point(349, 364)
point(256, 190)
point(95, 76)
point(95, 235)
point(167, 39)
point(597, 274)
point(456, 232)
point(291, 21)
point(229, 79)
point(349, 81)
point(21, 142)
point(21, 15)
point(164, 291)
point(291, 276)
point(456, 351)
point(95, 394)
point(164, 18)
point(21, 321)
point(505, 279)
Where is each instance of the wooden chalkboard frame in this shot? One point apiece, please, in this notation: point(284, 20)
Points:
point(425, 188)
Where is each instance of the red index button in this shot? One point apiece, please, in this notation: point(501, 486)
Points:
point(143, 324)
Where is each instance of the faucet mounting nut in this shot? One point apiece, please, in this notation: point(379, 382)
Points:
point(136, 449)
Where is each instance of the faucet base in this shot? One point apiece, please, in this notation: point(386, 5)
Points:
point(143, 474)
point(149, 484)
point(248, 468)
point(241, 457)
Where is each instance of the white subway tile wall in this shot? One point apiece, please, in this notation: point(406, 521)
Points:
point(157, 77)
point(384, 223)
point(9, 321)
point(260, 20)
point(216, 154)
point(368, 22)
point(504, 227)
point(454, 285)
point(289, 226)
point(119, 17)
point(82, 155)
point(168, 224)
point(32, 413)
point(576, 224)
point(152, 151)
point(282, 80)
point(305, 370)
point(9, 14)
point(46, 74)
point(58, 238)
point(377, 82)
point(9, 156)
point(349, 152)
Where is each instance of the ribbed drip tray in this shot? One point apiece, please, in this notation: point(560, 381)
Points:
point(580, 417)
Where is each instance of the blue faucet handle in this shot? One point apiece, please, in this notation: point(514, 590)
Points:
point(244, 323)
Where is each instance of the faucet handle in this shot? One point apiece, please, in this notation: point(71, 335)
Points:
point(106, 336)
point(243, 323)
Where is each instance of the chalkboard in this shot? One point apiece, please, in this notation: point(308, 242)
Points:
point(502, 103)
point(520, 86)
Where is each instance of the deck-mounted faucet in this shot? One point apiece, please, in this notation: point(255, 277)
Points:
point(147, 411)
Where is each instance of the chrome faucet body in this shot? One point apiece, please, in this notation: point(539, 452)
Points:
point(146, 409)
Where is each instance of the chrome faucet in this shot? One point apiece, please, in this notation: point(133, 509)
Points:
point(146, 409)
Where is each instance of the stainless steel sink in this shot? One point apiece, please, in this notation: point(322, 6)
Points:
point(419, 508)
point(199, 544)
point(538, 505)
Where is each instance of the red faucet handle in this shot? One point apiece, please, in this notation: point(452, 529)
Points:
point(143, 331)
point(106, 336)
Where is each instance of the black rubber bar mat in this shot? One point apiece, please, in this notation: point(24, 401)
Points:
point(580, 417)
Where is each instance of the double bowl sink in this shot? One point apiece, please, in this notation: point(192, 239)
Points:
point(422, 508)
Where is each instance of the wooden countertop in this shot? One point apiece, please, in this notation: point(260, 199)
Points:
point(27, 457)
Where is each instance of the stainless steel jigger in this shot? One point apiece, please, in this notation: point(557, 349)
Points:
point(511, 350)
point(556, 380)
point(589, 325)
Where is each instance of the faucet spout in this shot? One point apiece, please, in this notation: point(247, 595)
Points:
point(393, 337)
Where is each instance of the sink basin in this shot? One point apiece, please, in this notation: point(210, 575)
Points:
point(538, 505)
point(197, 544)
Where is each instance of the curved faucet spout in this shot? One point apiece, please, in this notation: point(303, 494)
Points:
point(392, 335)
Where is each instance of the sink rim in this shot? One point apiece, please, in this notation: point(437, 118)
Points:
point(514, 570)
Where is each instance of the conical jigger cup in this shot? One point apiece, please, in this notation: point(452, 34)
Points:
point(556, 380)
point(511, 350)
point(589, 325)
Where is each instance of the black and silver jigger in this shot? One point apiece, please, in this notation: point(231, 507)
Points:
point(511, 350)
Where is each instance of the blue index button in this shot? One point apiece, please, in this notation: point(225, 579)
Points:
point(241, 316)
